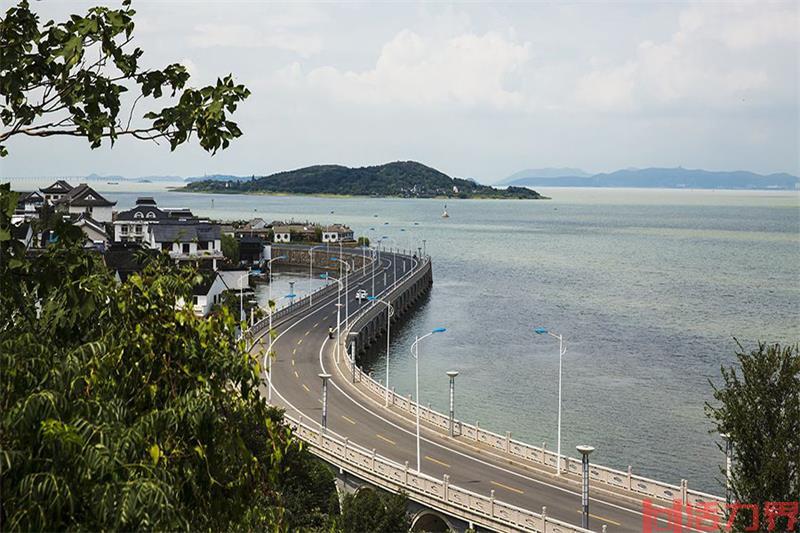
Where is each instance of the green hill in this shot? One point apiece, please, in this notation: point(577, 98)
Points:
point(406, 179)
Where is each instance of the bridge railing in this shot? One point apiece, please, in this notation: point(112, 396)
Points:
point(437, 493)
point(625, 482)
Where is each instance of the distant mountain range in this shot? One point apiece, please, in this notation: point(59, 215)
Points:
point(545, 173)
point(406, 179)
point(669, 178)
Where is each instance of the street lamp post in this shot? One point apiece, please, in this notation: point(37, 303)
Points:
point(728, 460)
point(561, 352)
point(269, 306)
point(585, 451)
point(311, 271)
point(452, 375)
point(325, 378)
point(389, 315)
point(415, 355)
point(325, 276)
point(346, 288)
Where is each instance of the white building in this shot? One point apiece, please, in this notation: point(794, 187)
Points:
point(188, 240)
point(84, 199)
point(281, 234)
point(134, 224)
point(337, 233)
point(56, 191)
point(95, 231)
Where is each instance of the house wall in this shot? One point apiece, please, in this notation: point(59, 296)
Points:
point(282, 237)
point(92, 234)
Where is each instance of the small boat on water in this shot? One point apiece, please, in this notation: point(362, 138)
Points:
point(444, 214)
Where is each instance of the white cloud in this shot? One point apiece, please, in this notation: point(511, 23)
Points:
point(244, 36)
point(709, 62)
point(468, 70)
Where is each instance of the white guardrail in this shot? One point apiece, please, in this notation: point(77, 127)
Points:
point(637, 486)
point(427, 490)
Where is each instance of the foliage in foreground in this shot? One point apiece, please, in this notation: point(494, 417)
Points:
point(759, 408)
point(71, 79)
point(123, 411)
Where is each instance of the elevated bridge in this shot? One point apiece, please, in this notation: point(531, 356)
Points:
point(476, 478)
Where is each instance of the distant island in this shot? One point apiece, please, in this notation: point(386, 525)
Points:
point(670, 178)
point(404, 179)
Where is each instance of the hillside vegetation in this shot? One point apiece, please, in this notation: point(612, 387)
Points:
point(407, 179)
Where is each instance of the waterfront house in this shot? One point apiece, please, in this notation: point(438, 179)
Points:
point(291, 231)
point(84, 199)
point(56, 191)
point(337, 233)
point(28, 206)
point(95, 231)
point(134, 224)
point(252, 250)
point(281, 234)
point(191, 240)
point(213, 285)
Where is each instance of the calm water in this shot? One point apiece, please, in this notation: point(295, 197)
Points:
point(649, 288)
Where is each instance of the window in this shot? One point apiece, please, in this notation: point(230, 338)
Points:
point(150, 214)
point(138, 214)
point(138, 228)
point(186, 248)
point(124, 229)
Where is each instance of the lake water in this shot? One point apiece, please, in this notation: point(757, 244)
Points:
point(648, 287)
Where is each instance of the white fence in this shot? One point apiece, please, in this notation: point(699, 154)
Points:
point(435, 493)
point(626, 482)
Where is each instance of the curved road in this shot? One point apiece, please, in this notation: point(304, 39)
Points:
point(303, 350)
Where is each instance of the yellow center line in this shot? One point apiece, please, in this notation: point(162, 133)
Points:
point(349, 420)
point(438, 462)
point(294, 351)
point(292, 362)
point(307, 332)
point(306, 387)
point(300, 341)
point(496, 484)
point(390, 441)
point(602, 519)
point(296, 374)
point(317, 324)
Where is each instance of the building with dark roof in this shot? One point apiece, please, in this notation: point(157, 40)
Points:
point(56, 191)
point(28, 206)
point(95, 231)
point(84, 199)
point(337, 233)
point(134, 224)
point(126, 258)
point(188, 240)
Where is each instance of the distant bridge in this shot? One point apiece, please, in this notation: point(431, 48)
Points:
point(477, 478)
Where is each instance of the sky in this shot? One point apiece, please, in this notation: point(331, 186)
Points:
point(477, 90)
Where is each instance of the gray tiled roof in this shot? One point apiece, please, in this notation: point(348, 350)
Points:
point(84, 196)
point(130, 214)
point(185, 232)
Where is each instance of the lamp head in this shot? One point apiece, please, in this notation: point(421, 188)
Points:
point(438, 330)
point(281, 257)
point(452, 373)
point(540, 331)
point(584, 449)
point(324, 375)
point(324, 275)
point(371, 298)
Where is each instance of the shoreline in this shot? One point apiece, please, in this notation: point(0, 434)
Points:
point(348, 196)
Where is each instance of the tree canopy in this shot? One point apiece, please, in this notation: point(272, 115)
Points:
point(71, 78)
point(758, 408)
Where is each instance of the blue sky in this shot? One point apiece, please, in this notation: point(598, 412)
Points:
point(475, 89)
